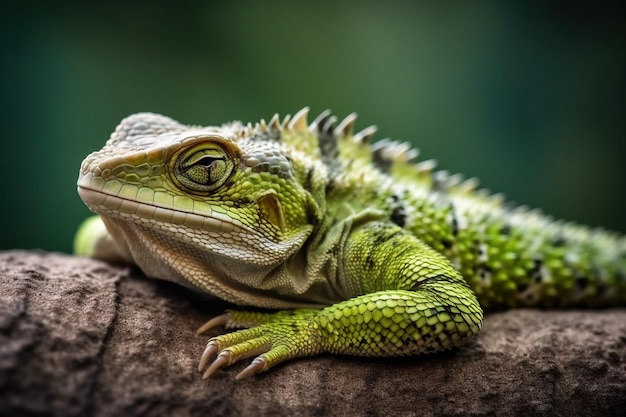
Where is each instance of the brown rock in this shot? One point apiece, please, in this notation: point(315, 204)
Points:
point(81, 337)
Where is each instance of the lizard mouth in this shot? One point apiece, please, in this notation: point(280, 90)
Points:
point(115, 206)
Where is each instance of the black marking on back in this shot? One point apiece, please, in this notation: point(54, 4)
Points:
point(398, 216)
point(581, 282)
point(454, 222)
point(535, 272)
point(308, 179)
point(558, 241)
point(327, 142)
point(379, 160)
point(398, 212)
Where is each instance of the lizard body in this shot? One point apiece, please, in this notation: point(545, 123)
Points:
point(365, 251)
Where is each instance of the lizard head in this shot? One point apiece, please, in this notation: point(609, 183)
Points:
point(232, 192)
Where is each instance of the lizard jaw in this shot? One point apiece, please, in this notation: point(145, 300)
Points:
point(115, 206)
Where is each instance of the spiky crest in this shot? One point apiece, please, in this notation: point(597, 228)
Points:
point(299, 121)
point(396, 158)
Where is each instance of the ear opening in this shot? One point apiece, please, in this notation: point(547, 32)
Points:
point(272, 210)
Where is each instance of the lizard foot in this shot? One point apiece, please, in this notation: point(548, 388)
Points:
point(274, 338)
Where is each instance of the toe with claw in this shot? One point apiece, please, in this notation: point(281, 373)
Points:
point(275, 337)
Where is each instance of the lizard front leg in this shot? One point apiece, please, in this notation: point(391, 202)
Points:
point(413, 302)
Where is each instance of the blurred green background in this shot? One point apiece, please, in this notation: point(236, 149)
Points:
point(529, 97)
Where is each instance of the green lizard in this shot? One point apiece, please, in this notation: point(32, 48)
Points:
point(362, 250)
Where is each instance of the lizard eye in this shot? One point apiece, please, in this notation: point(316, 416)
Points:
point(203, 168)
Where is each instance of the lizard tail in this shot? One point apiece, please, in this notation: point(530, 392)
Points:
point(556, 265)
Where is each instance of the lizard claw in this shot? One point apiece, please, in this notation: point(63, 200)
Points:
point(211, 350)
point(257, 365)
point(223, 359)
point(233, 353)
point(221, 320)
point(274, 337)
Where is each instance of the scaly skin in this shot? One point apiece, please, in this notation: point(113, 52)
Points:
point(365, 252)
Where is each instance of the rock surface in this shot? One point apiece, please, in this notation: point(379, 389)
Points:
point(81, 337)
